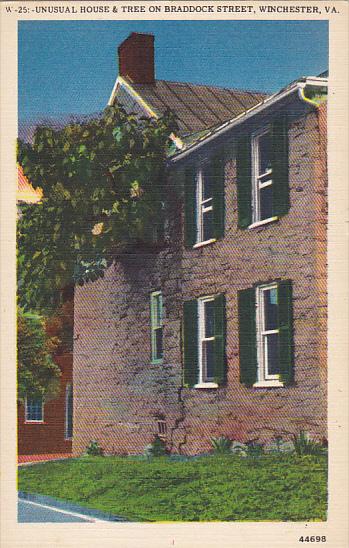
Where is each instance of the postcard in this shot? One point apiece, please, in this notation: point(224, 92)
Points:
point(174, 271)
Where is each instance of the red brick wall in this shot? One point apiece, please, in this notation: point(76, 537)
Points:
point(47, 437)
point(118, 393)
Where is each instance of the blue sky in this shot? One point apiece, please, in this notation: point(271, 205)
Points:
point(70, 66)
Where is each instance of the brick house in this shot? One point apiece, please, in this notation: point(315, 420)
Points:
point(45, 427)
point(221, 330)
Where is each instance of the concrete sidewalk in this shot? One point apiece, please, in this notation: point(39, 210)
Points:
point(44, 457)
point(42, 508)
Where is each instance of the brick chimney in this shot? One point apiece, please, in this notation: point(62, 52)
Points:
point(136, 58)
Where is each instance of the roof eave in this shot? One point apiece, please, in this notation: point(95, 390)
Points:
point(270, 102)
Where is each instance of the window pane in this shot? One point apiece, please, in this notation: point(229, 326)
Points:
point(208, 360)
point(264, 153)
point(272, 358)
point(207, 183)
point(34, 410)
point(266, 202)
point(158, 344)
point(158, 310)
point(207, 225)
point(270, 309)
point(209, 318)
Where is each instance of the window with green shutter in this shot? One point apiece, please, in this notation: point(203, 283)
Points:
point(265, 330)
point(204, 202)
point(204, 342)
point(262, 174)
point(156, 317)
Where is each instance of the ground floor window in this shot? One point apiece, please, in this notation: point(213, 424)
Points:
point(204, 342)
point(156, 327)
point(266, 334)
point(68, 411)
point(34, 410)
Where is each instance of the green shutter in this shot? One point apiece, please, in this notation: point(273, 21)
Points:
point(244, 181)
point(219, 341)
point(190, 342)
point(190, 227)
point(285, 331)
point(218, 174)
point(247, 336)
point(281, 198)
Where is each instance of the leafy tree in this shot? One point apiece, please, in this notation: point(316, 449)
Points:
point(37, 374)
point(102, 182)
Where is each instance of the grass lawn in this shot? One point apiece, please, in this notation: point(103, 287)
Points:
point(272, 487)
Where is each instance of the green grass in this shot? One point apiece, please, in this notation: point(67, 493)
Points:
point(213, 488)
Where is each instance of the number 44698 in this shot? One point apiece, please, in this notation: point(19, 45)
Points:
point(316, 538)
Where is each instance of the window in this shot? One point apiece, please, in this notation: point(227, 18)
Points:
point(68, 411)
point(204, 202)
point(162, 428)
point(156, 327)
point(34, 410)
point(262, 174)
point(204, 342)
point(266, 335)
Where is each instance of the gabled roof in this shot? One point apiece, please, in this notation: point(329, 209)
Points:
point(197, 107)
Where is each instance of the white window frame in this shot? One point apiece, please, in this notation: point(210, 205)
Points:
point(256, 177)
point(69, 385)
point(203, 381)
point(33, 421)
point(264, 378)
point(202, 206)
point(155, 326)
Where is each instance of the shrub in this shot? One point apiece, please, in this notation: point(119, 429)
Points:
point(221, 445)
point(254, 449)
point(156, 449)
point(94, 449)
point(304, 445)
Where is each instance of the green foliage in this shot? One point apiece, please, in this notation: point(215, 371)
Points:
point(279, 487)
point(304, 445)
point(156, 449)
point(37, 375)
point(254, 449)
point(103, 189)
point(221, 445)
point(94, 449)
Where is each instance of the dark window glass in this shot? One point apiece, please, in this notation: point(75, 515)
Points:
point(207, 218)
point(209, 318)
point(207, 183)
point(266, 202)
point(34, 410)
point(273, 354)
point(208, 355)
point(270, 309)
point(264, 153)
point(158, 343)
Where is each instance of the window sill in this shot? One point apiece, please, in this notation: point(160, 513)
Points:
point(204, 385)
point(207, 242)
point(264, 222)
point(268, 384)
point(156, 362)
point(34, 422)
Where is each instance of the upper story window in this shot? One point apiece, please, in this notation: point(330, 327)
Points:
point(205, 188)
point(262, 174)
point(156, 313)
point(34, 410)
point(266, 335)
point(204, 202)
point(204, 342)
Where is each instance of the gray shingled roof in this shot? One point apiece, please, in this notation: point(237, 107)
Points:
point(197, 107)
